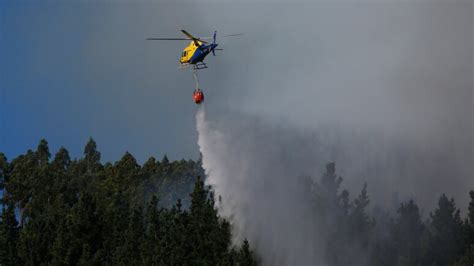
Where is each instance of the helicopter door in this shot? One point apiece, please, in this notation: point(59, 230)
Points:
point(183, 56)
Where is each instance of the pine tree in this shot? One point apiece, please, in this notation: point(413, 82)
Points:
point(165, 166)
point(406, 233)
point(86, 257)
point(208, 234)
point(359, 221)
point(470, 214)
point(466, 259)
point(61, 244)
point(447, 243)
point(127, 169)
point(19, 187)
point(165, 161)
point(149, 168)
point(330, 184)
point(9, 237)
point(331, 205)
point(468, 254)
point(92, 156)
point(151, 249)
point(3, 177)
point(61, 159)
point(59, 172)
point(134, 237)
point(246, 257)
point(42, 152)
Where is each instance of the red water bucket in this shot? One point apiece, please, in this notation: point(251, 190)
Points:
point(198, 96)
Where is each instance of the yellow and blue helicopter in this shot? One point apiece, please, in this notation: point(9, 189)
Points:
point(196, 51)
point(194, 54)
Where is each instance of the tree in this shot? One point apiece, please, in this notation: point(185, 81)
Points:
point(406, 233)
point(129, 252)
point(3, 177)
point(165, 161)
point(9, 233)
point(42, 152)
point(359, 221)
point(92, 156)
point(246, 257)
point(469, 224)
point(61, 244)
point(468, 257)
point(208, 236)
point(165, 166)
point(330, 184)
point(149, 167)
point(78, 212)
point(446, 225)
point(151, 249)
point(127, 168)
point(330, 204)
point(471, 208)
point(59, 171)
point(61, 159)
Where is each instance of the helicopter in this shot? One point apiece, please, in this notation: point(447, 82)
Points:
point(194, 55)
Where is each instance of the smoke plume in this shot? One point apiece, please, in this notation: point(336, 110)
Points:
point(383, 90)
point(259, 171)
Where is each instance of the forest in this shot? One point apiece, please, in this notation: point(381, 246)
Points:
point(80, 212)
point(62, 211)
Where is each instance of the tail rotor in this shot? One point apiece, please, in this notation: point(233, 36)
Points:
point(214, 45)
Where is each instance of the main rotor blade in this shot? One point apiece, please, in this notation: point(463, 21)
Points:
point(168, 39)
point(188, 34)
point(193, 38)
point(230, 35)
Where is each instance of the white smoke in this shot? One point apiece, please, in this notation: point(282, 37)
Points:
point(258, 171)
point(383, 90)
point(257, 189)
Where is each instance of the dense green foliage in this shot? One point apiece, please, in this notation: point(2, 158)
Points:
point(80, 212)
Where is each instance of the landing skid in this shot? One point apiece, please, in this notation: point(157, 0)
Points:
point(184, 66)
point(199, 65)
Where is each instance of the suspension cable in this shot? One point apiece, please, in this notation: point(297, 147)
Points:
point(195, 78)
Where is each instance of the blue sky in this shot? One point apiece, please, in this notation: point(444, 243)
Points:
point(74, 70)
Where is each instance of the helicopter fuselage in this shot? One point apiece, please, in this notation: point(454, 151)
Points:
point(195, 52)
